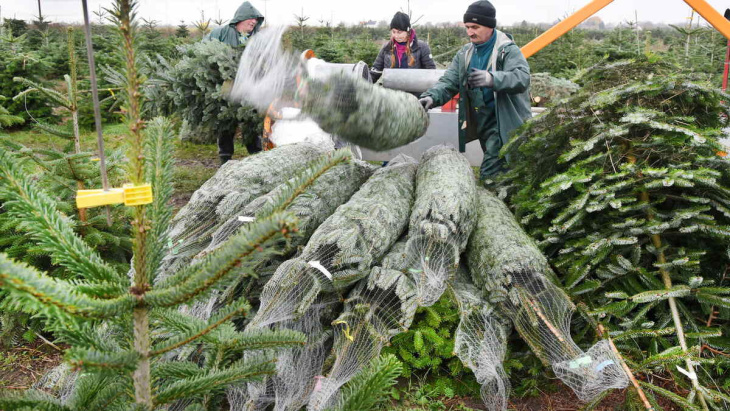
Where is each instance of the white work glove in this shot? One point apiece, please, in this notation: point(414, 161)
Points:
point(426, 102)
point(480, 78)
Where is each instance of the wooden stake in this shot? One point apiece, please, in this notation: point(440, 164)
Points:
point(626, 368)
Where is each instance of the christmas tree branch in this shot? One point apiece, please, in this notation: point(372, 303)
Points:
point(54, 234)
point(38, 293)
point(253, 369)
point(199, 332)
point(258, 240)
point(158, 151)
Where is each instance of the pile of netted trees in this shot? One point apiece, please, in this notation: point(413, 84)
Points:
point(372, 245)
point(627, 191)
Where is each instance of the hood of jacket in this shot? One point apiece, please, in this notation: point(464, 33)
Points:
point(247, 11)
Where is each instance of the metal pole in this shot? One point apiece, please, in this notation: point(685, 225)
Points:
point(97, 111)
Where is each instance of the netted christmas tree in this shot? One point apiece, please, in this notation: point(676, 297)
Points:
point(627, 190)
point(343, 104)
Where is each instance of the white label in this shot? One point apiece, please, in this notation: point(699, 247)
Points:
point(245, 219)
point(691, 375)
point(320, 267)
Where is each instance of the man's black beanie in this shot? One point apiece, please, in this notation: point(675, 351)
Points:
point(482, 13)
point(401, 21)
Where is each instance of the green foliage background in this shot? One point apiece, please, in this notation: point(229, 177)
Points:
point(38, 52)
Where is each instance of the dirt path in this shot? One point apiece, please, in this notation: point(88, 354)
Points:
point(21, 367)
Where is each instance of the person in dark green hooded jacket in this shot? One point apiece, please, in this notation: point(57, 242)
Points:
point(244, 24)
point(492, 78)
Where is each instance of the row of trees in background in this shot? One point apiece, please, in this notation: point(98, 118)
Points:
point(38, 50)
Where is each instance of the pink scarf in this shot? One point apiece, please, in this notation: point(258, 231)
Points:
point(400, 48)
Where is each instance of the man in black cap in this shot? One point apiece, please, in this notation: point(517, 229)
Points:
point(492, 78)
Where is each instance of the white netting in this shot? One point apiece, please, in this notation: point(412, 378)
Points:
point(342, 250)
point(298, 370)
point(507, 264)
point(592, 373)
point(379, 307)
point(481, 343)
point(60, 380)
point(266, 72)
point(342, 104)
point(442, 219)
point(224, 195)
point(541, 313)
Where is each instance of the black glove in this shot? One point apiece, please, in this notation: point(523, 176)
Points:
point(480, 78)
point(426, 102)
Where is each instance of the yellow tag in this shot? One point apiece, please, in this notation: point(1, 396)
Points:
point(128, 195)
point(346, 331)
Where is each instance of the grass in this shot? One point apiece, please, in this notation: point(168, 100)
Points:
point(194, 163)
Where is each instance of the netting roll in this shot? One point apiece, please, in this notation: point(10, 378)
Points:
point(443, 217)
point(512, 270)
point(342, 250)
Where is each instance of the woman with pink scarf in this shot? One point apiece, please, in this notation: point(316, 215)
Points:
point(404, 50)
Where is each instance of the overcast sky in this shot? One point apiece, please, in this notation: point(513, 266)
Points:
point(351, 11)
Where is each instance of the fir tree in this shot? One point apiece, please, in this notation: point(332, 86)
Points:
point(7, 119)
point(625, 187)
point(68, 101)
point(182, 30)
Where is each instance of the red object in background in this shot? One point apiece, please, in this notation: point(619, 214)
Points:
point(727, 57)
point(450, 106)
point(727, 65)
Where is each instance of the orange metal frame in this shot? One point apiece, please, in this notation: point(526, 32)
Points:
point(717, 20)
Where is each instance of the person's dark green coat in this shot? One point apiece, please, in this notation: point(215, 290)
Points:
point(229, 35)
point(511, 75)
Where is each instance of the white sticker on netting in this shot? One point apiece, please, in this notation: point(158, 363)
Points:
point(321, 268)
point(690, 374)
